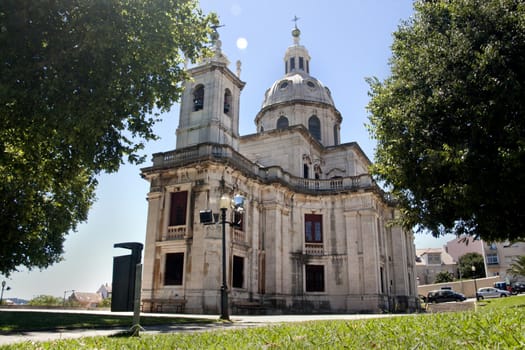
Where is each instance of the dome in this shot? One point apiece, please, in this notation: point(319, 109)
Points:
point(297, 86)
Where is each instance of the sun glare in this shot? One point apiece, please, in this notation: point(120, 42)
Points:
point(242, 43)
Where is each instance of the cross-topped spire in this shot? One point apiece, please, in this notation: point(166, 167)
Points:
point(295, 19)
point(215, 34)
point(217, 44)
point(296, 32)
point(215, 26)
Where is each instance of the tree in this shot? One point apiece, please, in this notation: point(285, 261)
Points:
point(466, 262)
point(81, 85)
point(450, 120)
point(444, 276)
point(517, 267)
point(46, 300)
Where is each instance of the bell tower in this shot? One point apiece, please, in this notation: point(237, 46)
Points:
point(209, 109)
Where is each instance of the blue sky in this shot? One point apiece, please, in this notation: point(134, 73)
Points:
point(348, 40)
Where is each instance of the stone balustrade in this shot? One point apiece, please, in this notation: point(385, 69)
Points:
point(217, 152)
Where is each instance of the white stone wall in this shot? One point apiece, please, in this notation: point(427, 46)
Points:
point(274, 228)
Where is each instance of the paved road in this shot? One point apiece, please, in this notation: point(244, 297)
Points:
point(237, 321)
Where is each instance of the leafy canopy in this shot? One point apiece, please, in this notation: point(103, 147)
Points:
point(444, 276)
point(517, 267)
point(466, 262)
point(80, 82)
point(450, 120)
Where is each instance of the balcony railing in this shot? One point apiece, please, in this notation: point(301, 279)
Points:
point(217, 152)
point(314, 248)
point(174, 233)
point(239, 236)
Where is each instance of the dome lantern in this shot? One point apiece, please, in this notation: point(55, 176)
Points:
point(296, 58)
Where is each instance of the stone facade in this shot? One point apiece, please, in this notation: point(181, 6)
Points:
point(314, 236)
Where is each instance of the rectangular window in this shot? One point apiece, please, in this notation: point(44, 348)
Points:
point(434, 259)
point(301, 63)
point(381, 273)
point(313, 228)
point(492, 259)
point(306, 171)
point(173, 270)
point(178, 208)
point(314, 278)
point(238, 272)
point(292, 63)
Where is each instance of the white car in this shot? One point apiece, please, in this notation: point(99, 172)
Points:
point(490, 292)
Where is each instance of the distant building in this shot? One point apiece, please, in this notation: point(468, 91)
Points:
point(105, 291)
point(463, 245)
point(316, 234)
point(87, 300)
point(430, 262)
point(498, 256)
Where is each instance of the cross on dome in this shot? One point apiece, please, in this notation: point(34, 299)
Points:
point(296, 33)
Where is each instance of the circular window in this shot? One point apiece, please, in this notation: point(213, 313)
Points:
point(283, 85)
point(310, 84)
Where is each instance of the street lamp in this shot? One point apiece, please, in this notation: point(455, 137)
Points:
point(207, 218)
point(224, 203)
point(473, 268)
point(2, 294)
point(66, 291)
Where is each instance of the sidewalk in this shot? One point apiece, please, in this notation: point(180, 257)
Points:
point(237, 322)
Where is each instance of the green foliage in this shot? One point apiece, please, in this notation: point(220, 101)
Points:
point(46, 300)
point(105, 303)
point(495, 327)
point(444, 276)
point(450, 120)
point(79, 84)
point(466, 262)
point(517, 267)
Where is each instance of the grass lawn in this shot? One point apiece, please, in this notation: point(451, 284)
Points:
point(496, 324)
point(19, 321)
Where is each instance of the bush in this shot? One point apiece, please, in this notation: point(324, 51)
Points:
point(444, 276)
point(46, 300)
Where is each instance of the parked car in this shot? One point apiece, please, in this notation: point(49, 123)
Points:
point(505, 286)
point(444, 295)
point(490, 292)
point(518, 287)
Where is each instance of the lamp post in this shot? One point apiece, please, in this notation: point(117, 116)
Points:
point(224, 203)
point(66, 291)
point(473, 268)
point(2, 294)
point(207, 218)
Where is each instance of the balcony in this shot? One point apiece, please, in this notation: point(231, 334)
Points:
point(174, 233)
point(314, 249)
point(239, 236)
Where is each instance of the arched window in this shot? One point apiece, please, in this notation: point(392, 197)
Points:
point(227, 102)
point(198, 97)
point(282, 122)
point(314, 126)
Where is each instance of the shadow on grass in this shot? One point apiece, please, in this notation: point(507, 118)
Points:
point(27, 321)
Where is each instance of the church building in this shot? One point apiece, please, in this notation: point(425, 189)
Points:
point(314, 234)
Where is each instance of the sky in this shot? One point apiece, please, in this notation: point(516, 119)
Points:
point(348, 40)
